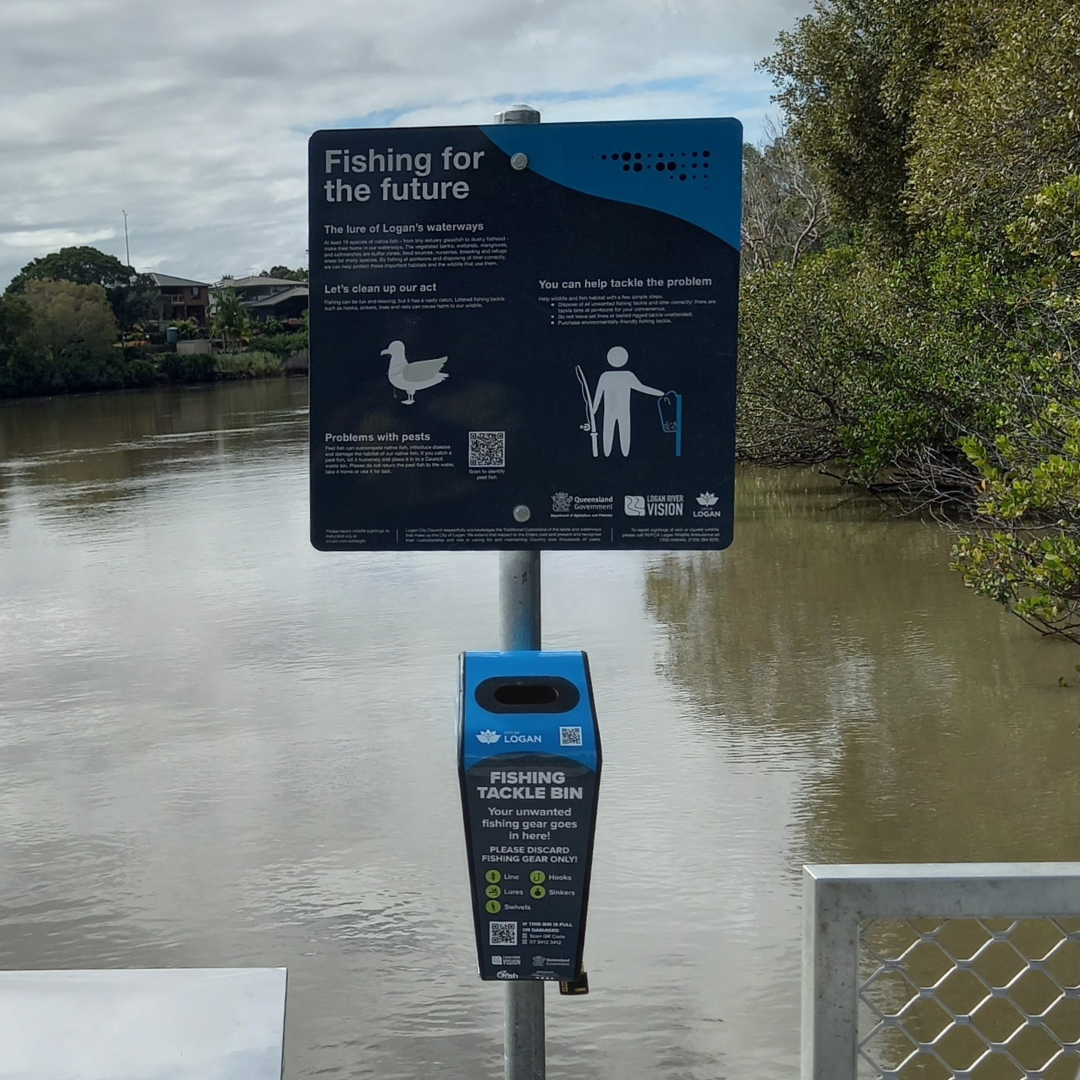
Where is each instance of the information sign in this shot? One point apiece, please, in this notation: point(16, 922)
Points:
point(524, 336)
point(529, 765)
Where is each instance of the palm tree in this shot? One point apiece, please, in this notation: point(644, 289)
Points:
point(231, 320)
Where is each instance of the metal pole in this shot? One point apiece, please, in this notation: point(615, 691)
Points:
point(127, 250)
point(519, 615)
point(523, 1031)
point(519, 599)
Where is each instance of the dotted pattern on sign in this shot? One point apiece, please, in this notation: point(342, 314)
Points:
point(682, 165)
point(969, 999)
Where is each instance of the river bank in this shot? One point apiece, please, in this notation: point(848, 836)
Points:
point(172, 370)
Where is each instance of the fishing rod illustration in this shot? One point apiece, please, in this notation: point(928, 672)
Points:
point(590, 414)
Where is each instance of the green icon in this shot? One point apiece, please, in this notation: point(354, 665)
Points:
point(493, 907)
point(538, 877)
point(493, 876)
point(493, 891)
point(538, 892)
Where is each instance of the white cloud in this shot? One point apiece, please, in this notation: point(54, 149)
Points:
point(194, 117)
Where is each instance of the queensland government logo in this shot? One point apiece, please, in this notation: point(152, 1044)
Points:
point(563, 504)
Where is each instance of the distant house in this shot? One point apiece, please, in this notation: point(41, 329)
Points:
point(287, 306)
point(270, 298)
point(183, 298)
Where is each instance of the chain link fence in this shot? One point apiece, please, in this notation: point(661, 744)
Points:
point(982, 998)
point(942, 972)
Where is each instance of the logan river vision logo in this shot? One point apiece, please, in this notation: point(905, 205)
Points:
point(653, 505)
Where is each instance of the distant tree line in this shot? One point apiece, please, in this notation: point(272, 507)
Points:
point(285, 274)
point(911, 297)
point(60, 318)
point(79, 320)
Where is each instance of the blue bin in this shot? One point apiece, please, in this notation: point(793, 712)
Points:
point(529, 766)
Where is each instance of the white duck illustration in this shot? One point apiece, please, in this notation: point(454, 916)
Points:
point(410, 377)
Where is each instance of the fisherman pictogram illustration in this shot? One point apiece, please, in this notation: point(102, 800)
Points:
point(614, 397)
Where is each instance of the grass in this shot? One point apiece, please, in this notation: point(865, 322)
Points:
point(248, 365)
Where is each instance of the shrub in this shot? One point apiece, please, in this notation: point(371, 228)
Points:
point(199, 367)
point(248, 365)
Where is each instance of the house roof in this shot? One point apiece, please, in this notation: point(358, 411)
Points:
point(278, 297)
point(253, 282)
point(167, 280)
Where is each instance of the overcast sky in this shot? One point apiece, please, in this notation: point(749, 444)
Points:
point(193, 116)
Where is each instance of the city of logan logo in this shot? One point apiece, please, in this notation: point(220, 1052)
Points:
point(707, 498)
point(487, 737)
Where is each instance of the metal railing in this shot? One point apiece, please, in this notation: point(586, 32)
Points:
point(941, 972)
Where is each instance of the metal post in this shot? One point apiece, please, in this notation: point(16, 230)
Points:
point(523, 1031)
point(519, 599)
point(519, 614)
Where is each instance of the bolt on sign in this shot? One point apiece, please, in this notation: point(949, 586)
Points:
point(524, 336)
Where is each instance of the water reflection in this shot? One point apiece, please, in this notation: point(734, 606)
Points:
point(934, 721)
point(85, 453)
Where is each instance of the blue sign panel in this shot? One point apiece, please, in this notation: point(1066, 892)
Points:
point(529, 766)
point(524, 336)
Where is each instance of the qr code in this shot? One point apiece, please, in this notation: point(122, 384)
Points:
point(487, 449)
point(569, 736)
point(502, 933)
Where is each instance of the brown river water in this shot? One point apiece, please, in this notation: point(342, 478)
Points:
point(221, 747)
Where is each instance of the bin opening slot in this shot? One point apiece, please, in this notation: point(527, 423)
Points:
point(527, 694)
